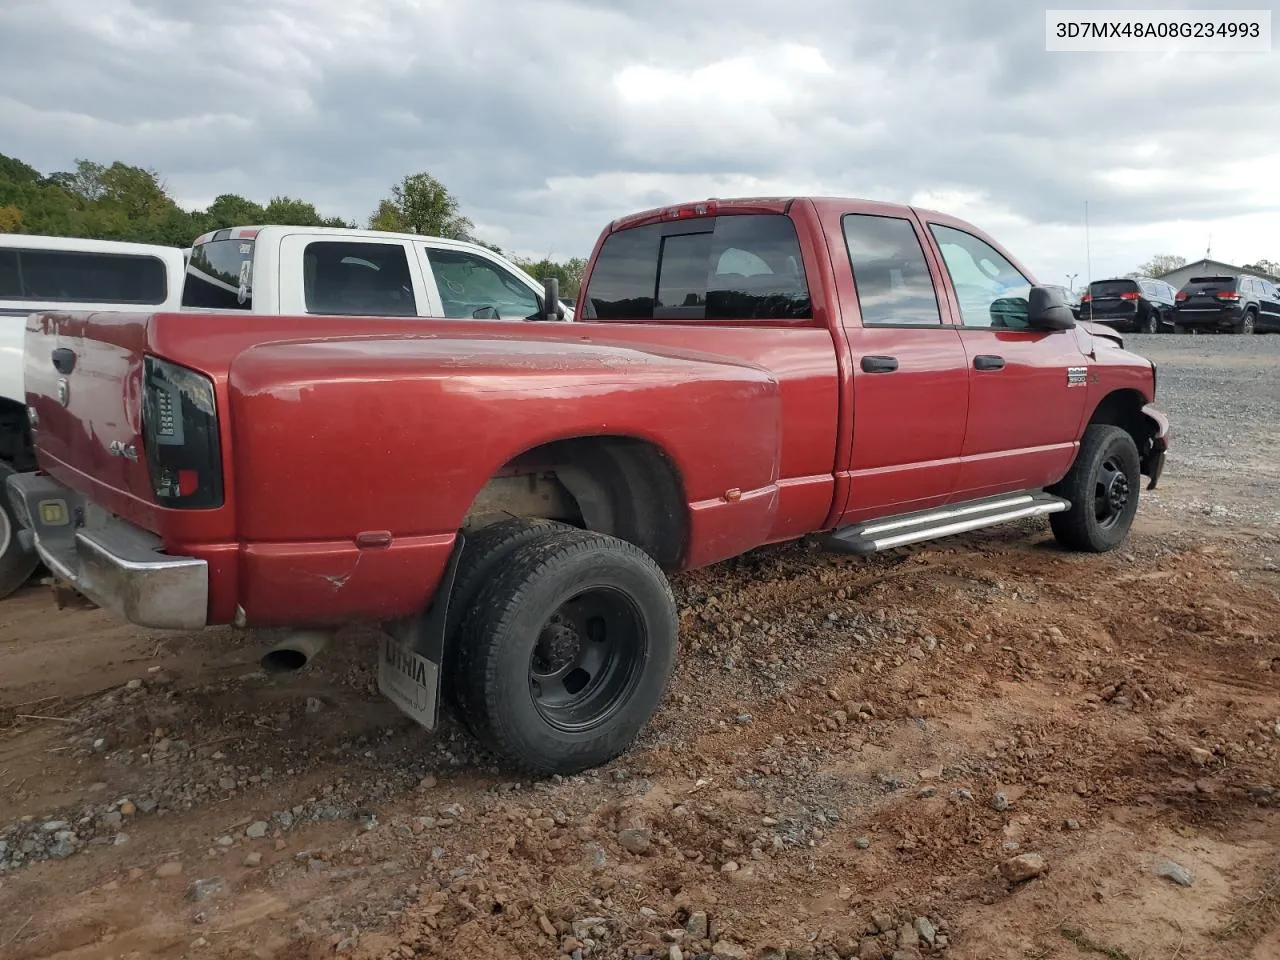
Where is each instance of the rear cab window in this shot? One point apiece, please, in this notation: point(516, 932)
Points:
point(76, 276)
point(731, 267)
point(220, 274)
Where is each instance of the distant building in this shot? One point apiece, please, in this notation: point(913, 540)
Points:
point(1209, 268)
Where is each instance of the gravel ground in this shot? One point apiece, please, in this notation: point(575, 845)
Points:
point(1222, 394)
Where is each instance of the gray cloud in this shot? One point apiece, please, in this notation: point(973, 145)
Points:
point(548, 118)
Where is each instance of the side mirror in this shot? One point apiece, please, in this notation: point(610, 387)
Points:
point(1046, 310)
point(551, 309)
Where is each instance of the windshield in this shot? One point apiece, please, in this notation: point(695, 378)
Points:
point(220, 275)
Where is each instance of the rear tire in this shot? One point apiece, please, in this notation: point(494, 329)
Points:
point(1248, 323)
point(16, 564)
point(1102, 486)
point(482, 555)
point(566, 653)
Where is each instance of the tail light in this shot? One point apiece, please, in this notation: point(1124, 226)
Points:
point(180, 434)
point(1132, 295)
point(1227, 295)
point(1087, 298)
point(1181, 295)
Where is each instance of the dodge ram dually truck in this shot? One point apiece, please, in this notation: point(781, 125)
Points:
point(505, 498)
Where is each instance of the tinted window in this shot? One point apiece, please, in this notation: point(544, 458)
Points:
point(744, 267)
point(220, 275)
point(471, 284)
point(73, 276)
point(890, 272)
point(358, 279)
point(1106, 289)
point(10, 279)
point(1209, 284)
point(991, 291)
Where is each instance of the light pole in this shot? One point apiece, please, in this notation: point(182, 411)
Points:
point(1071, 282)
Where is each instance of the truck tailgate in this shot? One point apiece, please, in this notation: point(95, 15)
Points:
point(83, 379)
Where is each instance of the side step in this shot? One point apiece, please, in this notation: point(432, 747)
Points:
point(868, 538)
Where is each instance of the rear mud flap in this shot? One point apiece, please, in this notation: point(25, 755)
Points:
point(411, 652)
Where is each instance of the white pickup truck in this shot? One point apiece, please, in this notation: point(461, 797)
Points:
point(326, 270)
point(263, 269)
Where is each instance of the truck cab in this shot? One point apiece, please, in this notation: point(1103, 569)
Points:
point(326, 271)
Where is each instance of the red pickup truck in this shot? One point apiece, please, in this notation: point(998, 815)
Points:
point(506, 497)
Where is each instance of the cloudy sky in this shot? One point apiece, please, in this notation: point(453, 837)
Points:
point(547, 118)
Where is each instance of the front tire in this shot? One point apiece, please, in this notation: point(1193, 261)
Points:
point(1102, 486)
point(567, 652)
point(1151, 324)
point(16, 564)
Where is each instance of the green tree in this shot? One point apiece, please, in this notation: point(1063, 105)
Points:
point(1270, 267)
point(1159, 265)
point(233, 210)
point(420, 203)
point(289, 212)
point(388, 218)
point(569, 273)
point(84, 182)
point(13, 170)
point(10, 219)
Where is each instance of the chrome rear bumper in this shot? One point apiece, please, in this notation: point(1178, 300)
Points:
point(120, 567)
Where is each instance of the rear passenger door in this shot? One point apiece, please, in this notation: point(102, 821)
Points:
point(910, 385)
point(1026, 387)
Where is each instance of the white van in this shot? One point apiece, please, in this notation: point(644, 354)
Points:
point(335, 270)
point(62, 273)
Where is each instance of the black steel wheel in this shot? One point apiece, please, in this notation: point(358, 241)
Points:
point(566, 653)
point(1102, 486)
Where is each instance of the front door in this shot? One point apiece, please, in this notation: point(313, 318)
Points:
point(910, 385)
point(1027, 388)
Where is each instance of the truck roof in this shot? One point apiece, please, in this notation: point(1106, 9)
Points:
point(251, 232)
point(738, 205)
point(35, 241)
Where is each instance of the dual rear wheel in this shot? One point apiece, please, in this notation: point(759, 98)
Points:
point(559, 645)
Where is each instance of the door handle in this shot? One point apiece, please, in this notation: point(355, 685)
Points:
point(988, 362)
point(879, 364)
point(64, 360)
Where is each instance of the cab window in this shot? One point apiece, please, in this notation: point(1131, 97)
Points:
point(473, 286)
point(990, 290)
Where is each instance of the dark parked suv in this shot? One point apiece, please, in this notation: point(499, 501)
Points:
point(1239, 304)
point(1139, 305)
